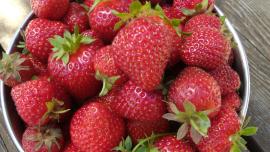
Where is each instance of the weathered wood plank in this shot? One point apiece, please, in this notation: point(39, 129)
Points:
point(251, 18)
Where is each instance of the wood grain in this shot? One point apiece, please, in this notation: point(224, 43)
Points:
point(251, 18)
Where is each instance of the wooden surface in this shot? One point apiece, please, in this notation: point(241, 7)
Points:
point(251, 19)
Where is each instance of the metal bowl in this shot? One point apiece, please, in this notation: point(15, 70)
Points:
point(15, 125)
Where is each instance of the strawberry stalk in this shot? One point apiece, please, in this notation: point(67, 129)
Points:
point(198, 121)
point(108, 82)
point(68, 45)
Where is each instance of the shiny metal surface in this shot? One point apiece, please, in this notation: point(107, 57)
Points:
point(15, 125)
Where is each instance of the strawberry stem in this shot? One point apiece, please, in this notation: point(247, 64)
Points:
point(108, 82)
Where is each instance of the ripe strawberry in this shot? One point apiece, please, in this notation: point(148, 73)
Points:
point(71, 148)
point(88, 3)
point(37, 34)
point(142, 129)
point(232, 100)
point(132, 102)
point(95, 127)
point(102, 20)
point(107, 71)
point(50, 9)
point(15, 69)
point(76, 15)
point(73, 66)
point(40, 101)
point(225, 124)
point(206, 48)
point(197, 86)
point(39, 67)
point(203, 21)
point(227, 78)
point(44, 139)
point(172, 144)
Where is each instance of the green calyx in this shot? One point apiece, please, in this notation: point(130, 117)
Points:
point(199, 8)
point(124, 146)
point(198, 121)
point(10, 66)
point(238, 142)
point(65, 46)
point(96, 2)
point(46, 136)
point(108, 82)
point(55, 108)
point(22, 44)
point(137, 9)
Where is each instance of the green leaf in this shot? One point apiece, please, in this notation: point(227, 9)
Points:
point(195, 135)
point(171, 117)
point(174, 108)
point(235, 148)
point(189, 108)
point(201, 6)
point(200, 122)
point(96, 2)
point(135, 7)
point(182, 131)
point(65, 59)
point(188, 12)
point(249, 131)
point(222, 19)
point(128, 143)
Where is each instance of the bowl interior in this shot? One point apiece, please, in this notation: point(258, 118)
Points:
point(16, 127)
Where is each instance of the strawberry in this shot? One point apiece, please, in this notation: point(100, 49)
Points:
point(40, 101)
point(39, 67)
point(227, 78)
point(206, 48)
point(134, 103)
point(76, 15)
point(89, 3)
point(106, 70)
point(44, 139)
point(141, 129)
point(50, 9)
point(15, 68)
point(203, 21)
point(95, 127)
point(37, 34)
point(197, 86)
point(172, 144)
point(225, 133)
point(232, 100)
point(71, 148)
point(73, 66)
point(153, 49)
point(102, 20)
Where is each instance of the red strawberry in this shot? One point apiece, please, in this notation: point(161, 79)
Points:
point(231, 58)
point(15, 69)
point(232, 100)
point(76, 15)
point(171, 144)
point(102, 20)
point(71, 148)
point(203, 21)
point(50, 9)
point(225, 124)
point(142, 129)
point(134, 103)
point(40, 101)
point(95, 127)
point(73, 66)
point(44, 139)
point(106, 70)
point(206, 48)
point(89, 3)
point(227, 78)
point(39, 67)
point(197, 86)
point(37, 34)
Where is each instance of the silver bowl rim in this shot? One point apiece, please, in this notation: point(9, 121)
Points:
point(241, 50)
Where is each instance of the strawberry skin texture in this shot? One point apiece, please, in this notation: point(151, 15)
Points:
point(30, 99)
point(105, 64)
point(37, 34)
point(198, 87)
point(132, 102)
point(144, 48)
point(206, 48)
point(171, 144)
point(231, 100)
point(76, 15)
point(89, 3)
point(71, 148)
point(29, 146)
point(102, 20)
point(94, 127)
point(78, 76)
point(39, 67)
point(227, 78)
point(50, 9)
point(225, 124)
point(142, 129)
point(203, 21)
